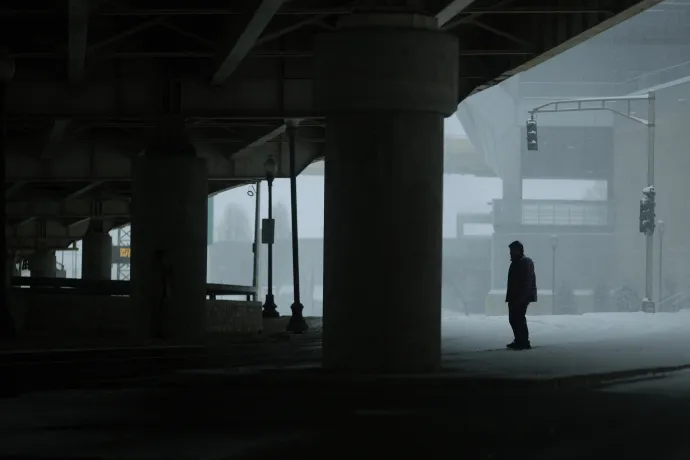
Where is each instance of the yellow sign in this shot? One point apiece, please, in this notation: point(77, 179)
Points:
point(125, 252)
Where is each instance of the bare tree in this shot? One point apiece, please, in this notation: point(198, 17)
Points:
point(234, 224)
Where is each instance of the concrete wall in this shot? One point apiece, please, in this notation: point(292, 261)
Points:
point(672, 187)
point(104, 316)
point(233, 317)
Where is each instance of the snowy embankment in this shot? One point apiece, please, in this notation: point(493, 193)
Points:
point(568, 345)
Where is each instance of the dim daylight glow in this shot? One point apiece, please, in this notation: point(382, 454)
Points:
point(574, 203)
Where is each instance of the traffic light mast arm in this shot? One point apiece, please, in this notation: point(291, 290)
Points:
point(592, 104)
point(646, 209)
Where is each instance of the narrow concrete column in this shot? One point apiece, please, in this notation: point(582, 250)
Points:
point(385, 82)
point(10, 269)
point(512, 184)
point(42, 264)
point(169, 212)
point(7, 68)
point(97, 256)
point(511, 178)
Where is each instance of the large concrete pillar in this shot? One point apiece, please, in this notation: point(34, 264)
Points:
point(10, 269)
point(168, 263)
point(7, 328)
point(386, 82)
point(511, 180)
point(97, 255)
point(42, 264)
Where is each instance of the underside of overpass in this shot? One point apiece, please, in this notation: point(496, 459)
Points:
point(91, 79)
point(120, 111)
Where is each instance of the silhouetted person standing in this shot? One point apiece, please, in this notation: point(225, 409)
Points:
point(522, 289)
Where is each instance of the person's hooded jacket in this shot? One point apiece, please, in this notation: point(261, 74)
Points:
point(522, 282)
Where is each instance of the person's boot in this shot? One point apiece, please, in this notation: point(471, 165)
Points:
point(523, 346)
point(512, 345)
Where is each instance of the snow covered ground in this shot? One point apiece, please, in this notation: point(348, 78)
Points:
point(568, 345)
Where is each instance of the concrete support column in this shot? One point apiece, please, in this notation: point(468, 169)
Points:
point(42, 264)
point(10, 269)
point(512, 189)
point(97, 256)
point(385, 82)
point(7, 328)
point(169, 218)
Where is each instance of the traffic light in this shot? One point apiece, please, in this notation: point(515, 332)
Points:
point(647, 211)
point(532, 142)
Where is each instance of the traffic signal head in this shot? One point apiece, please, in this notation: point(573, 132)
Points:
point(532, 141)
point(647, 211)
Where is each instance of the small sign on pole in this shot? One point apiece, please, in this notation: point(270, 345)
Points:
point(267, 231)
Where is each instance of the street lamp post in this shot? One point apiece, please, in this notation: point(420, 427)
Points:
point(554, 243)
point(661, 226)
point(297, 322)
point(597, 104)
point(270, 309)
point(255, 191)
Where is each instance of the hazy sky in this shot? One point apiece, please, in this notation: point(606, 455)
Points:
point(461, 194)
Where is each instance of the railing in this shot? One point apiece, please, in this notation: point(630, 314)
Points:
point(554, 213)
point(115, 287)
point(673, 302)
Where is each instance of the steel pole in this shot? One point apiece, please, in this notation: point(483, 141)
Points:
point(270, 244)
point(661, 265)
point(649, 259)
point(270, 308)
point(553, 280)
point(297, 322)
point(256, 277)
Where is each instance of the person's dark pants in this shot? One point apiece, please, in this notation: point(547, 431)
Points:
point(518, 321)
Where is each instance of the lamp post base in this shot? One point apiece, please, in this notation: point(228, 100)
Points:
point(270, 308)
point(648, 306)
point(297, 324)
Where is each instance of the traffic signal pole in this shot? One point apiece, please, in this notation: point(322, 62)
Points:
point(592, 104)
point(648, 305)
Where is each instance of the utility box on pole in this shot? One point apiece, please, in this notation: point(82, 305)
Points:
point(268, 231)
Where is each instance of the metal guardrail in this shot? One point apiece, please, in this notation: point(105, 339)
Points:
point(564, 213)
point(114, 287)
point(671, 302)
point(555, 212)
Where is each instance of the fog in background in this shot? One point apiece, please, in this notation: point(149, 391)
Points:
point(575, 201)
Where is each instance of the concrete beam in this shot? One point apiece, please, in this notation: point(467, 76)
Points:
point(56, 136)
point(261, 18)
point(106, 162)
point(453, 164)
point(260, 141)
point(451, 10)
point(73, 209)
point(130, 98)
point(83, 190)
point(574, 33)
point(78, 33)
point(32, 243)
point(49, 235)
point(13, 189)
point(57, 133)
